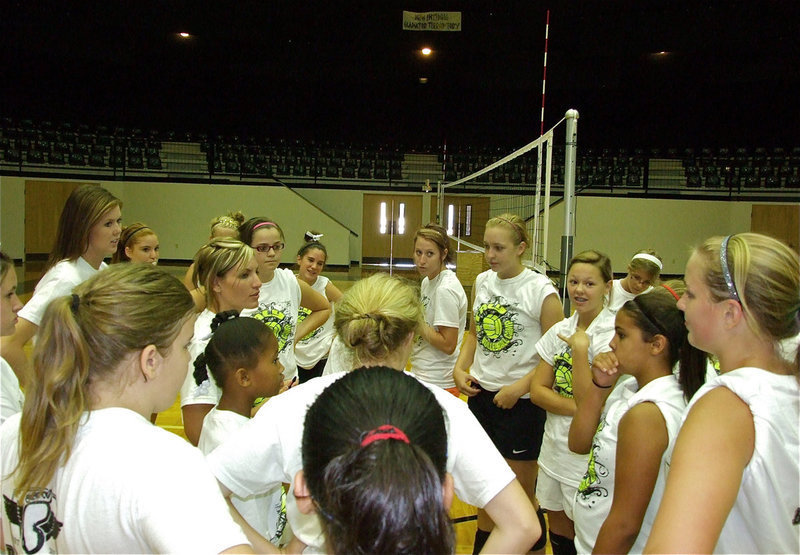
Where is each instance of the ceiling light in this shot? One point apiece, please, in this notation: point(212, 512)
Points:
point(426, 51)
point(184, 35)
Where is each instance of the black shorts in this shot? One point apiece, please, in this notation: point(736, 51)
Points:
point(516, 432)
point(305, 374)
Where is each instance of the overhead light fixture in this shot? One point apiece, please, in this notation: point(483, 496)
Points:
point(184, 35)
point(423, 80)
point(426, 51)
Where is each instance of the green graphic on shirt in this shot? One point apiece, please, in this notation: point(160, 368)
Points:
point(302, 314)
point(562, 369)
point(496, 326)
point(276, 318)
point(596, 470)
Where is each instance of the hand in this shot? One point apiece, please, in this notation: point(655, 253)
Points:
point(605, 369)
point(464, 383)
point(506, 398)
point(578, 341)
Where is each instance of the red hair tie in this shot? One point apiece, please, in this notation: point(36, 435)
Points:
point(674, 294)
point(387, 431)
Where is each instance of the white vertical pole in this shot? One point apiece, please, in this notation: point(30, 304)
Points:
point(569, 202)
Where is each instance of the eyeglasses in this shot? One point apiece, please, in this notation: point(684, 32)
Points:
point(264, 248)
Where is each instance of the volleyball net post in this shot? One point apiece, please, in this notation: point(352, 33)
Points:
point(530, 198)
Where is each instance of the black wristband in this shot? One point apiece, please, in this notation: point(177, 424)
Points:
point(601, 386)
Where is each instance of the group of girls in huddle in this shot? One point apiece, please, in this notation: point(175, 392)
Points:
point(607, 418)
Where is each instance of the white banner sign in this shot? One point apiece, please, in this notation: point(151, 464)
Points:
point(431, 21)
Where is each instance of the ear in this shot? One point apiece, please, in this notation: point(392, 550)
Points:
point(733, 313)
point(521, 248)
point(445, 252)
point(448, 491)
point(128, 252)
point(658, 344)
point(302, 495)
point(149, 362)
point(609, 285)
point(216, 286)
point(299, 258)
point(242, 377)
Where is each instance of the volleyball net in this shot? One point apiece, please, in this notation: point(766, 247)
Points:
point(518, 183)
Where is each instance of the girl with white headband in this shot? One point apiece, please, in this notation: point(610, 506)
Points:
point(643, 271)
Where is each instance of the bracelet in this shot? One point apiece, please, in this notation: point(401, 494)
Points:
point(601, 386)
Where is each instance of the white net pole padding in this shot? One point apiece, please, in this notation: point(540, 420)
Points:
point(569, 203)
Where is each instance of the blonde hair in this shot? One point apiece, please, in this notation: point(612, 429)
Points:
point(766, 276)
point(215, 259)
point(81, 342)
point(230, 221)
point(515, 224)
point(126, 239)
point(438, 236)
point(83, 209)
point(376, 315)
point(645, 265)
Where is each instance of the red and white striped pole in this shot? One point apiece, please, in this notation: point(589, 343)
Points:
point(544, 75)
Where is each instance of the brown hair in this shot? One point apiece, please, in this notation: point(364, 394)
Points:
point(126, 239)
point(246, 229)
point(437, 235)
point(597, 259)
point(83, 209)
point(645, 265)
point(230, 221)
point(5, 265)
point(82, 341)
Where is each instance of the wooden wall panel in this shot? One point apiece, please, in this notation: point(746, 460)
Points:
point(44, 201)
point(781, 221)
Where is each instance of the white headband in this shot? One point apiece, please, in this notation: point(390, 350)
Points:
point(649, 257)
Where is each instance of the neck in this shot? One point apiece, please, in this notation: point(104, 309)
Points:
point(93, 259)
point(308, 281)
point(624, 283)
point(240, 404)
point(656, 369)
point(265, 275)
point(512, 273)
point(753, 352)
point(433, 276)
point(134, 396)
point(586, 318)
point(397, 360)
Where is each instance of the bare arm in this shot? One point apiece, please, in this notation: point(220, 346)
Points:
point(466, 356)
point(13, 349)
point(542, 393)
point(552, 312)
point(333, 293)
point(260, 543)
point(705, 435)
point(590, 403)
point(516, 526)
point(193, 416)
point(643, 438)
point(318, 305)
point(444, 338)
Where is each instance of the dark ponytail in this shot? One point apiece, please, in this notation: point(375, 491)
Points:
point(381, 496)
point(656, 313)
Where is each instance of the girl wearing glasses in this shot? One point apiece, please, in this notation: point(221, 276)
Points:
point(281, 294)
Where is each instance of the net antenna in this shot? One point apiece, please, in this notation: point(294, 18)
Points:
point(521, 185)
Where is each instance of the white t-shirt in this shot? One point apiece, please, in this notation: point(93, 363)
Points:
point(619, 296)
point(555, 458)
point(445, 305)
point(208, 392)
point(278, 305)
point(267, 451)
point(761, 520)
point(340, 358)
point(315, 346)
point(596, 492)
point(507, 316)
point(128, 487)
point(263, 512)
point(59, 281)
point(11, 396)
